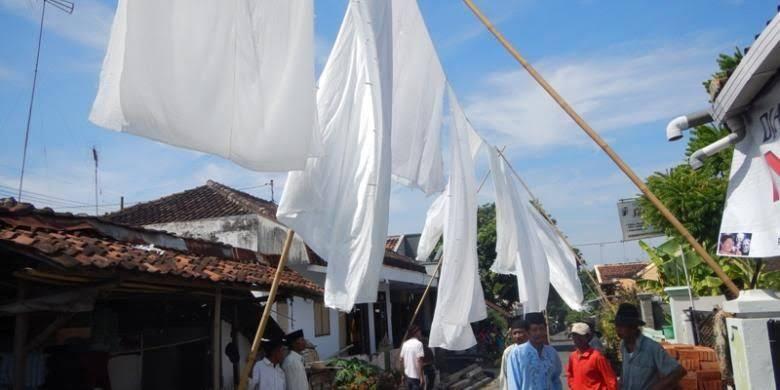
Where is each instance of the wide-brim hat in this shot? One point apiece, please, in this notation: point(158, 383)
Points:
point(628, 315)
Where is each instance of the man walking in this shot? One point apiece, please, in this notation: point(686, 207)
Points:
point(518, 332)
point(588, 369)
point(412, 355)
point(645, 363)
point(294, 369)
point(534, 365)
point(266, 374)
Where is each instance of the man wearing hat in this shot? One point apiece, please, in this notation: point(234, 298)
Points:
point(294, 370)
point(588, 369)
point(267, 373)
point(645, 363)
point(518, 332)
point(534, 365)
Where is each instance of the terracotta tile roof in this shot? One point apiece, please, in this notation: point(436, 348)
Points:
point(393, 259)
point(41, 234)
point(609, 273)
point(212, 200)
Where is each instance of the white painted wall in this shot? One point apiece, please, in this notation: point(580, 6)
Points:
point(302, 317)
point(679, 301)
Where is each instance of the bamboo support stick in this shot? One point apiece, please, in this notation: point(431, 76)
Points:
point(422, 299)
point(266, 312)
point(538, 207)
point(607, 149)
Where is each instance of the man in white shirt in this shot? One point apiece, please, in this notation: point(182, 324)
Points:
point(519, 335)
point(412, 354)
point(267, 373)
point(294, 369)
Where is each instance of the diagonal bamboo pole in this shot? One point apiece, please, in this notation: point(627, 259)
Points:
point(538, 207)
point(422, 298)
point(242, 385)
point(607, 149)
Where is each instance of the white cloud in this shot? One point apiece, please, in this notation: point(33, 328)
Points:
point(7, 74)
point(89, 24)
point(612, 90)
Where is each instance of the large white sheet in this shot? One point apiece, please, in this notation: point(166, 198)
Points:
point(518, 248)
point(564, 275)
point(418, 94)
point(234, 78)
point(434, 227)
point(460, 299)
point(339, 204)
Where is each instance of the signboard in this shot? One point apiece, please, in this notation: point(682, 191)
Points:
point(751, 219)
point(631, 221)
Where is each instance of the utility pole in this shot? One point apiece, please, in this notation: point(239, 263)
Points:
point(67, 7)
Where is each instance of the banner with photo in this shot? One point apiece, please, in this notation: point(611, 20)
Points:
point(751, 219)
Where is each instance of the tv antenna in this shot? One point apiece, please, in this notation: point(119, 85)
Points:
point(64, 6)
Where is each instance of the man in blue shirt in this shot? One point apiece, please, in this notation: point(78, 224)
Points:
point(646, 366)
point(534, 365)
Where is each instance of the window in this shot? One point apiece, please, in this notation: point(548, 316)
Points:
point(321, 320)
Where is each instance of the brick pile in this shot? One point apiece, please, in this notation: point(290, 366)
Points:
point(702, 366)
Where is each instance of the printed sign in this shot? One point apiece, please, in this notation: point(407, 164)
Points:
point(751, 219)
point(631, 221)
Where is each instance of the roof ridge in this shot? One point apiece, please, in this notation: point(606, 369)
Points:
point(240, 198)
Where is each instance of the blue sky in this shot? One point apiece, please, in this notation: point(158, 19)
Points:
point(627, 66)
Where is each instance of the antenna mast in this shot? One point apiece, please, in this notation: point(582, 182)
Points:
point(67, 7)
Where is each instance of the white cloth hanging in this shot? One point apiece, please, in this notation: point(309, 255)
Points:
point(235, 79)
point(434, 227)
point(519, 250)
point(418, 95)
point(340, 203)
point(460, 298)
point(564, 275)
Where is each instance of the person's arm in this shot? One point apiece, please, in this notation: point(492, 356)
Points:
point(557, 369)
point(570, 371)
point(671, 371)
point(420, 373)
point(401, 362)
point(605, 369)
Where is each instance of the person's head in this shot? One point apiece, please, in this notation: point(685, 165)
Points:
point(415, 332)
point(296, 341)
point(519, 331)
point(274, 351)
point(628, 322)
point(537, 329)
point(581, 335)
point(726, 244)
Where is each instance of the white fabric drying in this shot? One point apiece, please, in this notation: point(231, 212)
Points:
point(434, 227)
point(561, 260)
point(460, 299)
point(235, 79)
point(418, 95)
point(518, 247)
point(340, 203)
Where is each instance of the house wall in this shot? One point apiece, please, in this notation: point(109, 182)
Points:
point(300, 315)
point(679, 301)
point(249, 231)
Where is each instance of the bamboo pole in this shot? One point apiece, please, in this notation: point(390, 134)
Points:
point(538, 207)
point(606, 148)
point(422, 299)
point(266, 312)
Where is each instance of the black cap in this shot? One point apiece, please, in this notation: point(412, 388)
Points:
point(519, 323)
point(535, 318)
point(292, 336)
point(271, 345)
point(628, 315)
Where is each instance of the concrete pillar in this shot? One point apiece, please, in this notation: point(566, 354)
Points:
point(646, 308)
point(389, 311)
point(749, 338)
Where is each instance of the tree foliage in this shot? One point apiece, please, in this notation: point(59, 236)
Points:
point(500, 289)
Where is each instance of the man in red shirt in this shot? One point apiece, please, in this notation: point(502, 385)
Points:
point(588, 369)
